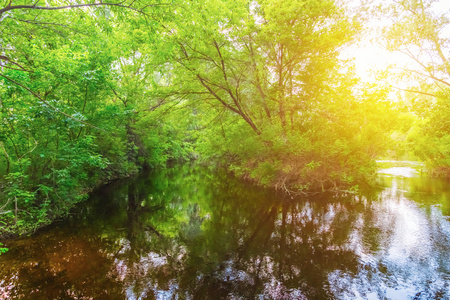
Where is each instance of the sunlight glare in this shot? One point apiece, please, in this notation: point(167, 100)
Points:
point(370, 58)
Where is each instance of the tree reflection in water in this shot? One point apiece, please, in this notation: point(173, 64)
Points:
point(189, 233)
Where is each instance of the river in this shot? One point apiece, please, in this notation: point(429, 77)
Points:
point(188, 232)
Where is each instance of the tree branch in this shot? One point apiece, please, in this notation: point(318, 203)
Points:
point(2, 57)
point(9, 7)
point(34, 148)
point(14, 69)
point(3, 207)
point(49, 105)
point(414, 91)
point(425, 75)
point(47, 23)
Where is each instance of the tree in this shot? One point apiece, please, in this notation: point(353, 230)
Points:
point(418, 30)
point(63, 128)
point(269, 70)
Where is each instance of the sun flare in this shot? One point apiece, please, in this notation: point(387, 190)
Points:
point(369, 59)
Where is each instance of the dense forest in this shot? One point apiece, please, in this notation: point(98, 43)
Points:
point(92, 91)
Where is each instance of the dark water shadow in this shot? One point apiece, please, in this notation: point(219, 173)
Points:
point(191, 233)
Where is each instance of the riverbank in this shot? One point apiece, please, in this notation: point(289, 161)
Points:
point(27, 223)
point(319, 183)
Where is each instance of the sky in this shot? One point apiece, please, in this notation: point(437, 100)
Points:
point(370, 57)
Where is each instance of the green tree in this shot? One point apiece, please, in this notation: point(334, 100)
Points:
point(268, 74)
point(63, 129)
point(418, 30)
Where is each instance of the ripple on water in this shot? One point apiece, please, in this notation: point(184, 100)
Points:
point(187, 233)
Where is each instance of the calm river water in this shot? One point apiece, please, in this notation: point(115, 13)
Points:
point(191, 233)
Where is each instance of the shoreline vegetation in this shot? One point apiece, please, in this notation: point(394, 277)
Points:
point(31, 226)
point(26, 223)
point(94, 91)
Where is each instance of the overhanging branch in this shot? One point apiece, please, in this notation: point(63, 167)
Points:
point(120, 4)
point(431, 76)
point(414, 91)
point(2, 57)
point(48, 104)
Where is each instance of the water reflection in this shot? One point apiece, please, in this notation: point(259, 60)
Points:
point(189, 233)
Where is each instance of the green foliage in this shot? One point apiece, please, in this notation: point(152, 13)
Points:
point(335, 149)
point(417, 29)
point(3, 249)
point(68, 101)
point(15, 188)
point(285, 115)
point(166, 137)
point(429, 139)
point(96, 93)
